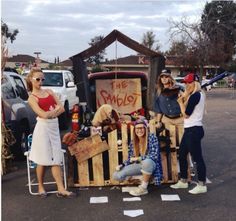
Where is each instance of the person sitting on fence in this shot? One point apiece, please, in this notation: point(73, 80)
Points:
point(143, 159)
point(106, 117)
point(192, 107)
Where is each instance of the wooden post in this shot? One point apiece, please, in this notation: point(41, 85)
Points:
point(113, 154)
point(83, 172)
point(124, 133)
point(156, 65)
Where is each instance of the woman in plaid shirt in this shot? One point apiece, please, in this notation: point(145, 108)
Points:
point(143, 159)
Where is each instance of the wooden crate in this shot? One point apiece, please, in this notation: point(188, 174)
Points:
point(91, 172)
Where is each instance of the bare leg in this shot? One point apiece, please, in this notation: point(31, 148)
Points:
point(146, 178)
point(40, 171)
point(56, 172)
point(145, 181)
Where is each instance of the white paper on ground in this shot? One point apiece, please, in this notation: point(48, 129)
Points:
point(101, 199)
point(83, 188)
point(127, 188)
point(208, 181)
point(132, 199)
point(170, 197)
point(133, 213)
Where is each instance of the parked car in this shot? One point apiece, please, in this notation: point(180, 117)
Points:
point(179, 82)
point(208, 87)
point(16, 112)
point(62, 83)
point(232, 80)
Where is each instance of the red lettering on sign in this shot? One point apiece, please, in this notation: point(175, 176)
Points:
point(119, 85)
point(119, 99)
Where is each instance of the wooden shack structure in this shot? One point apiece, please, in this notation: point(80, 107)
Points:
point(157, 63)
point(90, 172)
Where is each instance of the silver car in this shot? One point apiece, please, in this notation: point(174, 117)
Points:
point(16, 112)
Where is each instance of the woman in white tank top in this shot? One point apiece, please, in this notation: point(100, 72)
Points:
point(192, 107)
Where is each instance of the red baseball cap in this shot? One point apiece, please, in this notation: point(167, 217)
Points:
point(190, 77)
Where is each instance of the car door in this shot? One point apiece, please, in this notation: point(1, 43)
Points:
point(26, 111)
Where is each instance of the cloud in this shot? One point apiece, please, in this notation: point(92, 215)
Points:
point(64, 27)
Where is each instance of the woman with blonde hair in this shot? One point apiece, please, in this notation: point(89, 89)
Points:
point(192, 107)
point(46, 143)
point(143, 159)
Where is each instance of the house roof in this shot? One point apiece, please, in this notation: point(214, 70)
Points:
point(140, 60)
point(67, 62)
point(132, 59)
point(23, 58)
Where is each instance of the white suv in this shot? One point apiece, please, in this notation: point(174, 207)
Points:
point(62, 83)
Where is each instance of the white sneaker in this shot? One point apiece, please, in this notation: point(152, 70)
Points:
point(179, 185)
point(198, 189)
point(138, 191)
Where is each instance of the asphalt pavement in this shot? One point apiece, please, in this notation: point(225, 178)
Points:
point(218, 204)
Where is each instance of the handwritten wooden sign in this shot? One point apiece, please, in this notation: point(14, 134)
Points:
point(88, 147)
point(123, 94)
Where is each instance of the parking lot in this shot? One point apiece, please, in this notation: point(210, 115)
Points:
point(216, 205)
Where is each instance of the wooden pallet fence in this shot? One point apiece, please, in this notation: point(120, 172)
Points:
point(117, 153)
point(169, 155)
point(97, 169)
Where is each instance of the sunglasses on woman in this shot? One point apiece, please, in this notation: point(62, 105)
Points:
point(39, 79)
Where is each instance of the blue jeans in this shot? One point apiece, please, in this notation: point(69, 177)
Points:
point(146, 166)
point(191, 143)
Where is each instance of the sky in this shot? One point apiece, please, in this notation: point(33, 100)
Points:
point(65, 27)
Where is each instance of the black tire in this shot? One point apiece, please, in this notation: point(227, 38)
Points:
point(64, 118)
point(21, 144)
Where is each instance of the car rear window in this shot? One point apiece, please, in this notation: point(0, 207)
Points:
point(53, 79)
point(7, 89)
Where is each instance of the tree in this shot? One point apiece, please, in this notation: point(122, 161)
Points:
point(211, 41)
point(6, 133)
point(99, 57)
point(180, 52)
point(218, 22)
point(7, 34)
point(178, 48)
point(197, 43)
point(149, 41)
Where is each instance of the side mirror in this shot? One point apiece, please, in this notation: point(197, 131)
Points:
point(70, 84)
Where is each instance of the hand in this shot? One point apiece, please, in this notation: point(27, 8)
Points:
point(58, 110)
point(69, 138)
point(159, 124)
point(180, 99)
point(119, 167)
